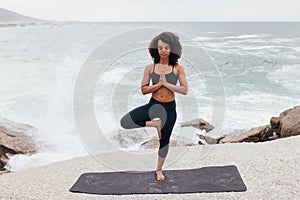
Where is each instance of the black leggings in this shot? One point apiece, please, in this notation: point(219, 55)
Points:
point(166, 111)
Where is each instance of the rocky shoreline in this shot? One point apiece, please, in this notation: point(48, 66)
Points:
point(286, 125)
point(14, 139)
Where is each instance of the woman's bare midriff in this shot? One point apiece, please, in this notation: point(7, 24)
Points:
point(163, 94)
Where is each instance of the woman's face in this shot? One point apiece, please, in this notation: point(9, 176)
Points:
point(163, 49)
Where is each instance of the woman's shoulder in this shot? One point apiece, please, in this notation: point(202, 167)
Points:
point(179, 65)
point(179, 68)
point(149, 67)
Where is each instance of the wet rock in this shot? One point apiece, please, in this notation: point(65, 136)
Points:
point(198, 123)
point(288, 122)
point(209, 140)
point(14, 139)
point(126, 138)
point(257, 134)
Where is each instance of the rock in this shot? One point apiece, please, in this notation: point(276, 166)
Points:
point(257, 134)
point(198, 123)
point(275, 124)
point(288, 122)
point(209, 140)
point(126, 138)
point(14, 139)
point(200, 143)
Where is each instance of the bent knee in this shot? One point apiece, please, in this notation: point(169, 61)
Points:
point(124, 123)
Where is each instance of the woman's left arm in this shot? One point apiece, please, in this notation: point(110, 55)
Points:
point(183, 88)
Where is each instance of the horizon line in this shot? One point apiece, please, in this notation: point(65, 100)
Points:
point(146, 21)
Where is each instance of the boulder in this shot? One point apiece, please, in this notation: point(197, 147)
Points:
point(15, 139)
point(288, 122)
point(198, 123)
point(257, 134)
point(209, 140)
point(126, 138)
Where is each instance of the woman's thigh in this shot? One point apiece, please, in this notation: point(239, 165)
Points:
point(136, 118)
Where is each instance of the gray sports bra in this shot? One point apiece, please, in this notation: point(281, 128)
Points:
point(170, 77)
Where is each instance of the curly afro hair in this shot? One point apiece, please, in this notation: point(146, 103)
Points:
point(175, 47)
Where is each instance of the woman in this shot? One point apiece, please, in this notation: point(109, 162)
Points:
point(160, 112)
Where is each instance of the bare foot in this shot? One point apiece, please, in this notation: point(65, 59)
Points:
point(159, 175)
point(157, 124)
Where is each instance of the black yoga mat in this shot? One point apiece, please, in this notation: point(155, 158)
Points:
point(206, 179)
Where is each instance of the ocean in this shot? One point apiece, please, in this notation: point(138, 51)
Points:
point(254, 74)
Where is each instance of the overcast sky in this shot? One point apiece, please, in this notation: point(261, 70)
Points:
point(157, 10)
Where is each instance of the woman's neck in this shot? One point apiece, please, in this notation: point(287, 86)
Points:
point(164, 61)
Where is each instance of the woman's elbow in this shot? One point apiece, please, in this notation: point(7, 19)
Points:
point(145, 88)
point(185, 91)
point(143, 91)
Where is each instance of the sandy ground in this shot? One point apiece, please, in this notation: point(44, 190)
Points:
point(270, 170)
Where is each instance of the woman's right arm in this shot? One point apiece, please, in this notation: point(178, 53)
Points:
point(145, 88)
